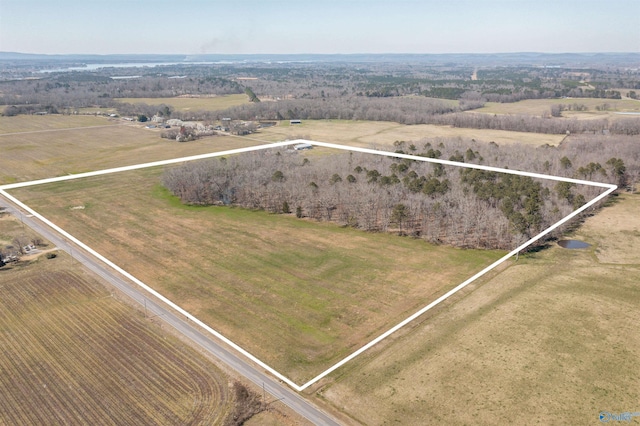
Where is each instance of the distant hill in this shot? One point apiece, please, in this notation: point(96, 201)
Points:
point(520, 58)
point(17, 56)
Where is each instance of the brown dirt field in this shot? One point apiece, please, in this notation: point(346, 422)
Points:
point(550, 340)
point(382, 133)
point(297, 294)
point(36, 155)
point(72, 354)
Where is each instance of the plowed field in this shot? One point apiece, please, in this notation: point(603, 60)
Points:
point(72, 354)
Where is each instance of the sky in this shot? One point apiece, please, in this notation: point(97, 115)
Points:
point(318, 26)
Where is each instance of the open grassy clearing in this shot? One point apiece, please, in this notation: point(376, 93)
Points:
point(35, 123)
point(541, 106)
point(46, 154)
point(384, 133)
point(617, 233)
point(551, 339)
point(204, 103)
point(298, 294)
point(73, 354)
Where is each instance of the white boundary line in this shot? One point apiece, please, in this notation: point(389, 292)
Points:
point(610, 188)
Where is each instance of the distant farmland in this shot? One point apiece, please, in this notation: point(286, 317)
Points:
point(36, 147)
point(38, 123)
point(72, 354)
point(594, 107)
point(384, 133)
point(205, 103)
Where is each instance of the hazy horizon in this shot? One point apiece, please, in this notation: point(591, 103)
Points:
point(321, 54)
point(277, 27)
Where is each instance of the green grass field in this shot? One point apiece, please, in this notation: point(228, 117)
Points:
point(298, 294)
point(193, 104)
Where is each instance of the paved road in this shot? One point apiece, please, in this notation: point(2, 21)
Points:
point(276, 389)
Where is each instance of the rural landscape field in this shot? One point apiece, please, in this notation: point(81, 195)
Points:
point(552, 337)
point(46, 146)
point(299, 295)
point(548, 336)
point(72, 352)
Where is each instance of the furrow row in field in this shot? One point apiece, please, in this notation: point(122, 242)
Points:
point(70, 356)
point(66, 362)
point(134, 361)
point(28, 296)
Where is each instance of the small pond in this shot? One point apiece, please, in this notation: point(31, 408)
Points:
point(573, 244)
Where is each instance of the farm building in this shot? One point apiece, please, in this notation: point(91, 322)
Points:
point(301, 146)
point(295, 121)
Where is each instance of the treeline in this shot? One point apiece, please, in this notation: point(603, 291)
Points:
point(442, 204)
point(406, 110)
point(79, 90)
point(372, 193)
point(533, 124)
point(419, 110)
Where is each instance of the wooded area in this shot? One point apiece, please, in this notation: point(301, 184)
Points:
point(442, 204)
point(413, 92)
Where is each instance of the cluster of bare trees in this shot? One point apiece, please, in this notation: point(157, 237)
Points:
point(69, 91)
point(529, 123)
point(20, 246)
point(372, 193)
point(407, 110)
point(443, 204)
point(420, 110)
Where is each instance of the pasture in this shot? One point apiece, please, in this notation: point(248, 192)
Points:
point(551, 339)
point(74, 354)
point(39, 123)
point(36, 147)
point(383, 133)
point(538, 107)
point(48, 146)
point(204, 103)
point(299, 295)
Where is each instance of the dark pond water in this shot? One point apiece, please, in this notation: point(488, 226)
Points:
point(573, 244)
